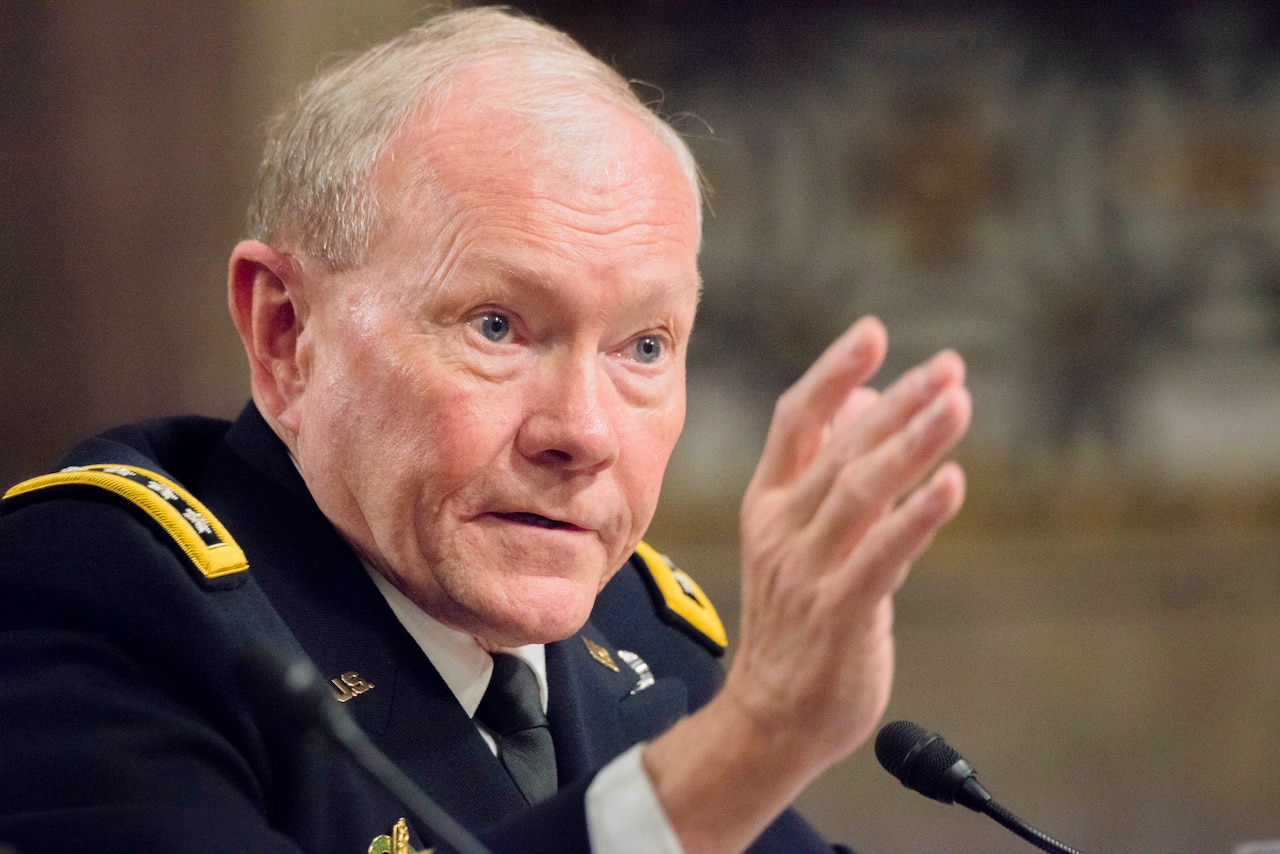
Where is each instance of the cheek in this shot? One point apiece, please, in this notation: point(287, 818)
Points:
point(440, 442)
point(360, 417)
point(374, 390)
point(660, 438)
point(650, 451)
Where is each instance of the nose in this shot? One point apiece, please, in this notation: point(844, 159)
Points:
point(570, 416)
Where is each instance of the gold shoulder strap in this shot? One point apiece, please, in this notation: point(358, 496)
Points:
point(197, 533)
point(684, 599)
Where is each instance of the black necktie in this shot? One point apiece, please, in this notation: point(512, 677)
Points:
point(512, 710)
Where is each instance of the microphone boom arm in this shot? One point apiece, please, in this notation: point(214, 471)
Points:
point(924, 763)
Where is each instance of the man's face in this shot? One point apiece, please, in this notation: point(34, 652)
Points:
point(491, 399)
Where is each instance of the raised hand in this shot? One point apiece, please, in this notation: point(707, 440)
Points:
point(831, 521)
point(845, 497)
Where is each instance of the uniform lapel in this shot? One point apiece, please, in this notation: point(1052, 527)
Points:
point(599, 704)
point(317, 584)
point(433, 740)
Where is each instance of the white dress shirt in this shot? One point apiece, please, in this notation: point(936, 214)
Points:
point(623, 813)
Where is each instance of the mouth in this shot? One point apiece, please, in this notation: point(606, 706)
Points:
point(536, 521)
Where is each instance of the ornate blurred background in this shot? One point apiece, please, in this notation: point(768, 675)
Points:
point(1083, 198)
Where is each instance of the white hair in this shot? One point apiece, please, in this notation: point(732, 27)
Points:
point(315, 192)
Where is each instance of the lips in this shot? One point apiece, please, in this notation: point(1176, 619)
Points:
point(536, 521)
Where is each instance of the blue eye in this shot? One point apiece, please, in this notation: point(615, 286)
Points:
point(648, 349)
point(493, 326)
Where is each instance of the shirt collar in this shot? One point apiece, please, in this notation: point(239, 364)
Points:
point(460, 660)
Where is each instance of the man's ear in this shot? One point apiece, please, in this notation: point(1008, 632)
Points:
point(264, 294)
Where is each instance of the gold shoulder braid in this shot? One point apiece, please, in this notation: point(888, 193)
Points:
point(195, 531)
point(681, 601)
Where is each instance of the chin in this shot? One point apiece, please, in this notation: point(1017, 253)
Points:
point(540, 616)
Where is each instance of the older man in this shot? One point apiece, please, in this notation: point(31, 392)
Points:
point(466, 309)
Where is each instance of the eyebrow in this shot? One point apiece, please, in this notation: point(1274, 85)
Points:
point(514, 274)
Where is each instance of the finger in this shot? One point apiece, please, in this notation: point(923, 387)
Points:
point(881, 562)
point(913, 391)
point(905, 400)
point(804, 410)
point(858, 402)
point(864, 488)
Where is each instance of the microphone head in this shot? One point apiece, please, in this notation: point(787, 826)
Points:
point(924, 763)
point(289, 686)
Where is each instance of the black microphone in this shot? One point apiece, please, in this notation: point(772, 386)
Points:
point(924, 763)
point(293, 683)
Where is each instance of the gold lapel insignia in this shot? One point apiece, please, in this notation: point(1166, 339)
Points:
point(397, 842)
point(349, 685)
point(600, 654)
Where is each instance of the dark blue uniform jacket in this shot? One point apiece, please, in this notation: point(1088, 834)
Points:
point(124, 723)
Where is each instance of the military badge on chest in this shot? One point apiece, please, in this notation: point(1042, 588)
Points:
point(395, 842)
point(644, 678)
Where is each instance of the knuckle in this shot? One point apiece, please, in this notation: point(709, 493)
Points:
point(855, 488)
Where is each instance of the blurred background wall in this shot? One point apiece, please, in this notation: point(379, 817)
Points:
point(1083, 198)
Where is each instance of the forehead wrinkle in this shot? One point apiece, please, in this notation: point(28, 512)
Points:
point(412, 193)
point(482, 215)
point(484, 198)
point(639, 294)
point(422, 186)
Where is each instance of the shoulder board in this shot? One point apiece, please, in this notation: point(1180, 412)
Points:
point(195, 532)
point(680, 601)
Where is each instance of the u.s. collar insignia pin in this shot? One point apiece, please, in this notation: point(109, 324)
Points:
point(600, 654)
point(349, 685)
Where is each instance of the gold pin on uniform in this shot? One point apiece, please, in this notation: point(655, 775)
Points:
point(349, 685)
point(396, 842)
point(600, 654)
